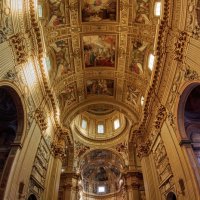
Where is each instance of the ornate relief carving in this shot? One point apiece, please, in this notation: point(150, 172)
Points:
point(18, 45)
point(79, 149)
point(181, 46)
point(191, 74)
point(143, 149)
point(58, 148)
point(160, 117)
point(122, 147)
point(11, 75)
point(41, 118)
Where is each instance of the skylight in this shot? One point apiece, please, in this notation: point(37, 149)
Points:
point(157, 9)
point(116, 124)
point(100, 128)
point(151, 62)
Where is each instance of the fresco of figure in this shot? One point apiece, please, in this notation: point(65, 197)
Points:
point(99, 50)
point(142, 12)
point(137, 56)
point(57, 12)
point(98, 10)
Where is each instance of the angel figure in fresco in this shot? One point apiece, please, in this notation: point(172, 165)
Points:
point(137, 56)
point(62, 58)
point(57, 12)
point(142, 13)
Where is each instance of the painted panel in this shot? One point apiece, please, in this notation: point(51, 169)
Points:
point(100, 87)
point(98, 10)
point(99, 50)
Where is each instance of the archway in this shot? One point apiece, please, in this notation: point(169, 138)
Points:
point(192, 120)
point(171, 196)
point(32, 197)
point(11, 131)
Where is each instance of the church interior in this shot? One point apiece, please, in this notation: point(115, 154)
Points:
point(100, 99)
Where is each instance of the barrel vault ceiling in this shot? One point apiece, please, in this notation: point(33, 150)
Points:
point(98, 54)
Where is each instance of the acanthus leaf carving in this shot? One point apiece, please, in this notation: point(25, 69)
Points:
point(143, 148)
point(191, 75)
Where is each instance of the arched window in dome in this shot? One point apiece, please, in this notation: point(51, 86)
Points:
point(100, 128)
point(116, 124)
point(84, 124)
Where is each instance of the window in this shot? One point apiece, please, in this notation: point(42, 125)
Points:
point(142, 101)
point(157, 9)
point(40, 14)
point(101, 189)
point(116, 124)
point(100, 128)
point(48, 63)
point(84, 124)
point(151, 62)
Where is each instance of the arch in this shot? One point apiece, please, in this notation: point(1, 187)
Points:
point(106, 149)
point(98, 169)
point(32, 197)
point(185, 92)
point(70, 114)
point(12, 129)
point(171, 196)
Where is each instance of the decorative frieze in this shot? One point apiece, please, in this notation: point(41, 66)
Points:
point(79, 149)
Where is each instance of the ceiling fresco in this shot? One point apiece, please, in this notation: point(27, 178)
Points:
point(101, 168)
point(99, 49)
